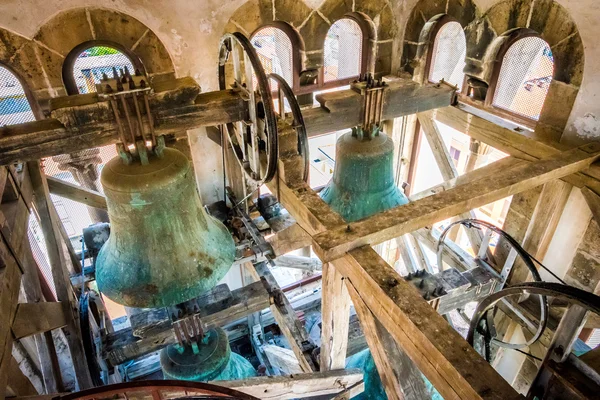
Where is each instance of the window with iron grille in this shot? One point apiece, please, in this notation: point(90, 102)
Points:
point(95, 61)
point(14, 106)
point(525, 76)
point(15, 109)
point(448, 57)
point(274, 49)
point(343, 50)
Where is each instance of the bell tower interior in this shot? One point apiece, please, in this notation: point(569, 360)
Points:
point(310, 199)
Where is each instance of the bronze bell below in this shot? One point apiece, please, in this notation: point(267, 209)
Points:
point(363, 179)
point(164, 248)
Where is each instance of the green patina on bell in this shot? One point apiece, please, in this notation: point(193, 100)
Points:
point(363, 180)
point(164, 249)
point(209, 360)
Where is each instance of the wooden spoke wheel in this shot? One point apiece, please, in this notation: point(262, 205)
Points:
point(285, 94)
point(254, 140)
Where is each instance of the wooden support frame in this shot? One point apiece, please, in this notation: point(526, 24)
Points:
point(62, 283)
point(76, 193)
point(448, 363)
point(286, 318)
point(400, 220)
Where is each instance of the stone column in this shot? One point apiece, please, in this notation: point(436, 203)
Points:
point(83, 165)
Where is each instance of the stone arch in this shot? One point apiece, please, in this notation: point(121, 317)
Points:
point(22, 57)
point(422, 24)
point(31, 100)
point(551, 22)
point(312, 26)
point(67, 30)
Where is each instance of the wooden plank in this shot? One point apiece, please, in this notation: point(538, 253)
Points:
point(335, 317)
point(342, 109)
point(287, 320)
point(122, 346)
point(299, 262)
point(49, 363)
point(511, 139)
point(10, 282)
point(593, 201)
point(60, 275)
point(443, 356)
point(292, 238)
point(76, 193)
point(34, 318)
point(503, 164)
point(438, 147)
point(400, 220)
point(66, 133)
point(398, 365)
point(282, 359)
point(79, 125)
point(448, 170)
point(298, 386)
point(19, 384)
point(384, 365)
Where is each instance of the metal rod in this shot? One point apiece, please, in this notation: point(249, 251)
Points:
point(150, 119)
point(113, 104)
point(139, 117)
point(126, 110)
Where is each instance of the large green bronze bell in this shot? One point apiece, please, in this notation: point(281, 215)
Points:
point(164, 248)
point(209, 360)
point(363, 179)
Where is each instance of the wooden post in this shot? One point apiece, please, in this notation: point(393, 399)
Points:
point(400, 378)
point(335, 316)
point(62, 283)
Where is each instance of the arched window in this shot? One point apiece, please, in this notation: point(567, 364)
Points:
point(524, 77)
point(94, 61)
point(14, 105)
point(343, 50)
point(274, 48)
point(448, 55)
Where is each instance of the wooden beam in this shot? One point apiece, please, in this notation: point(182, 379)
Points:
point(10, 283)
point(299, 386)
point(292, 238)
point(282, 359)
point(384, 365)
point(335, 317)
point(454, 368)
point(403, 379)
point(341, 109)
point(315, 216)
point(76, 193)
point(65, 133)
point(19, 384)
point(593, 201)
point(60, 275)
point(34, 318)
point(511, 139)
point(287, 320)
point(400, 220)
point(80, 122)
point(299, 262)
point(448, 170)
point(123, 346)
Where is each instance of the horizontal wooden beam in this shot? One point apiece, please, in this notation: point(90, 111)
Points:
point(76, 126)
point(511, 139)
point(76, 193)
point(404, 219)
point(82, 121)
point(454, 368)
point(298, 386)
point(342, 109)
point(123, 346)
point(33, 318)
